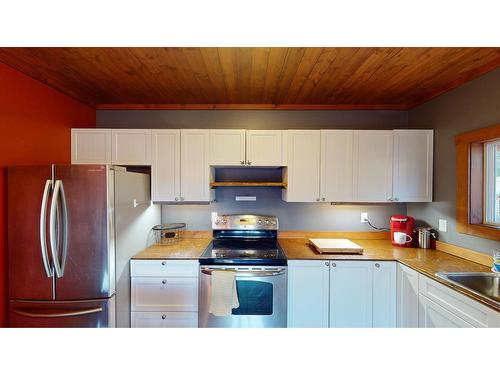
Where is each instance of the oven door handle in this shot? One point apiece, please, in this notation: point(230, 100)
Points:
point(247, 273)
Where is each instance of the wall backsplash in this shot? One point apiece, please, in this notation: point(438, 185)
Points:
point(292, 216)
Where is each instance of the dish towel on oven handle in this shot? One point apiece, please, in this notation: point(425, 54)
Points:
point(224, 293)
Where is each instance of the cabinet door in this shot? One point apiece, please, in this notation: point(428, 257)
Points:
point(164, 319)
point(195, 176)
point(413, 151)
point(351, 294)
point(384, 294)
point(164, 294)
point(432, 315)
point(303, 172)
point(264, 147)
point(165, 168)
point(227, 147)
point(336, 165)
point(373, 165)
point(308, 293)
point(90, 146)
point(407, 297)
point(131, 146)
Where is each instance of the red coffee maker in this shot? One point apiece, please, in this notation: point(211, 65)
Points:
point(402, 230)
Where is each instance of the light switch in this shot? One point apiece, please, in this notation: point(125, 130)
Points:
point(443, 225)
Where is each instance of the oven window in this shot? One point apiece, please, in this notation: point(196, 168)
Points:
point(256, 298)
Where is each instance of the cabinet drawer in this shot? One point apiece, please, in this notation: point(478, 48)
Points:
point(464, 307)
point(164, 294)
point(164, 319)
point(164, 268)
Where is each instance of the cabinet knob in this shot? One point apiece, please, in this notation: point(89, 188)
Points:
point(396, 199)
point(323, 199)
point(164, 281)
point(327, 264)
point(317, 199)
point(176, 198)
point(377, 265)
point(163, 263)
point(249, 162)
point(164, 316)
point(242, 162)
point(334, 265)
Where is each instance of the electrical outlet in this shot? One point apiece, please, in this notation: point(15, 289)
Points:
point(214, 215)
point(364, 217)
point(443, 225)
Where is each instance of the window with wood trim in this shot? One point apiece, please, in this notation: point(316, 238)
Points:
point(478, 182)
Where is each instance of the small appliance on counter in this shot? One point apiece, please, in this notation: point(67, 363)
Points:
point(424, 235)
point(402, 230)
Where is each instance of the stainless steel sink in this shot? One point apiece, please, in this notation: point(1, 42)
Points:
point(482, 283)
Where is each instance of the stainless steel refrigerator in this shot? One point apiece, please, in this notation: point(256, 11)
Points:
point(61, 246)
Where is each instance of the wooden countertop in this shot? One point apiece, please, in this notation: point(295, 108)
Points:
point(185, 248)
point(425, 261)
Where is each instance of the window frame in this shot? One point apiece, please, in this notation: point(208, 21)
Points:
point(471, 168)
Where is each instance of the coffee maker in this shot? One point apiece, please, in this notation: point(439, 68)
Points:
point(402, 230)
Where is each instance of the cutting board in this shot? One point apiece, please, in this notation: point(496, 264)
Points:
point(335, 245)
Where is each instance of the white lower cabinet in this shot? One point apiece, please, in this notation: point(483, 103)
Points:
point(407, 297)
point(341, 294)
point(433, 315)
point(165, 319)
point(164, 293)
point(441, 306)
point(308, 293)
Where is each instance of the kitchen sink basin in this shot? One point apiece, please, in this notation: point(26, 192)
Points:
point(482, 283)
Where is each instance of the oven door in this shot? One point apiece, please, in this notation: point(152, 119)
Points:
point(262, 293)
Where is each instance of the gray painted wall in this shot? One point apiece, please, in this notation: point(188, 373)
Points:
point(292, 216)
point(471, 106)
point(249, 119)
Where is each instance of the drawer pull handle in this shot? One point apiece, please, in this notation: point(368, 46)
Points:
point(334, 265)
point(377, 265)
point(164, 316)
point(164, 281)
point(163, 263)
point(327, 264)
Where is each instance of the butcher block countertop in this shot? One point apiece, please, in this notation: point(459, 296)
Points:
point(425, 261)
point(185, 248)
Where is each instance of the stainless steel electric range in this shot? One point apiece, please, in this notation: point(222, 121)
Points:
point(248, 245)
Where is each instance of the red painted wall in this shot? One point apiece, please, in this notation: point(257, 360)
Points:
point(35, 123)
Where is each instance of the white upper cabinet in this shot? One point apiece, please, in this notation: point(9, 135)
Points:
point(264, 147)
point(308, 293)
point(165, 169)
point(195, 177)
point(337, 165)
point(131, 146)
point(90, 146)
point(413, 150)
point(373, 150)
point(227, 147)
point(303, 172)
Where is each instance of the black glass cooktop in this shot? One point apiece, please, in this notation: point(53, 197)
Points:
point(244, 252)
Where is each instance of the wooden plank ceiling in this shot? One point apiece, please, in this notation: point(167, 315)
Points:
point(273, 78)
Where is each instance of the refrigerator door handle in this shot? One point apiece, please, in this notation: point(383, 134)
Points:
point(43, 228)
point(64, 208)
point(54, 233)
point(57, 314)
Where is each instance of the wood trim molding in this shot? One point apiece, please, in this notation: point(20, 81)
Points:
point(462, 252)
point(282, 107)
point(464, 147)
point(326, 234)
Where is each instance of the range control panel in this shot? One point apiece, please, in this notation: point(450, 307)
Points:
point(244, 222)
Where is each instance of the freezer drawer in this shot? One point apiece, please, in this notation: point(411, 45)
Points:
point(62, 314)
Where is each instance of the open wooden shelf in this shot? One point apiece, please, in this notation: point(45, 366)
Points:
point(234, 183)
